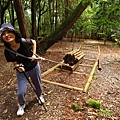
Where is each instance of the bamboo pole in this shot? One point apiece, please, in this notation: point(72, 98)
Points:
point(89, 59)
point(92, 72)
point(73, 72)
point(50, 70)
point(90, 78)
point(76, 65)
point(79, 73)
point(79, 55)
point(78, 52)
point(62, 85)
point(86, 65)
point(73, 52)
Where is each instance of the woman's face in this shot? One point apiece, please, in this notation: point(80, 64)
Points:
point(8, 36)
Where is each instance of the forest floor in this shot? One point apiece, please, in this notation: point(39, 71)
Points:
point(105, 86)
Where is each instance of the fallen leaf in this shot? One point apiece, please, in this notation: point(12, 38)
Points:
point(5, 111)
point(48, 103)
point(50, 91)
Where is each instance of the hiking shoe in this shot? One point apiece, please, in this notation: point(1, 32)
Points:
point(20, 111)
point(41, 101)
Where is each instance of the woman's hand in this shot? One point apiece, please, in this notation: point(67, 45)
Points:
point(19, 67)
point(33, 57)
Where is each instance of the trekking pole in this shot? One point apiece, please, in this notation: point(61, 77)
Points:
point(34, 90)
point(28, 79)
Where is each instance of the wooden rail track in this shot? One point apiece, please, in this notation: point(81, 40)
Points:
point(80, 55)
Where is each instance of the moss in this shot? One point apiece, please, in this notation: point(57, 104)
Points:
point(93, 104)
point(105, 112)
point(76, 108)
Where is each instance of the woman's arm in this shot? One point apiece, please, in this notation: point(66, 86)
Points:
point(33, 50)
point(34, 46)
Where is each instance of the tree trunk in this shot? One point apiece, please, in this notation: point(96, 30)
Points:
point(39, 18)
point(66, 8)
point(3, 8)
point(34, 29)
point(62, 30)
point(20, 15)
point(56, 15)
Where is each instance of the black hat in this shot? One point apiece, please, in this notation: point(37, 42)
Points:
point(8, 27)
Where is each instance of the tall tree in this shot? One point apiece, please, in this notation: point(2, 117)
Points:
point(3, 7)
point(62, 30)
point(20, 15)
point(33, 10)
point(66, 8)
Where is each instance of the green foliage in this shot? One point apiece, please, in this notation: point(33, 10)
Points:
point(117, 42)
point(93, 103)
point(76, 108)
point(102, 16)
point(105, 112)
point(105, 17)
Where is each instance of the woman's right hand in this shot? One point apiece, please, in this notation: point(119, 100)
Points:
point(21, 69)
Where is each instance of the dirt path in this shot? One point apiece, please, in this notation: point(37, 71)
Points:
point(105, 88)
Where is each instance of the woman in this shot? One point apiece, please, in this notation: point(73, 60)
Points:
point(26, 49)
